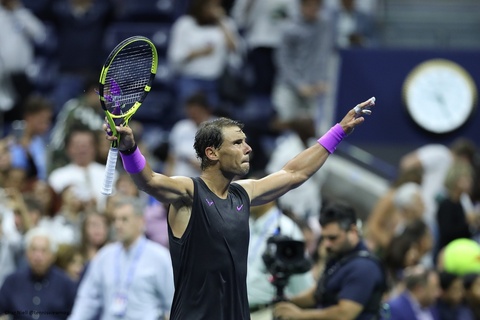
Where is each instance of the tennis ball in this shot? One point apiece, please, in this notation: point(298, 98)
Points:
point(462, 256)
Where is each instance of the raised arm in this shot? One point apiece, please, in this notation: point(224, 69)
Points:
point(306, 163)
point(163, 188)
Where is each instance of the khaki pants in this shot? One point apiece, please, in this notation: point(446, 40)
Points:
point(265, 314)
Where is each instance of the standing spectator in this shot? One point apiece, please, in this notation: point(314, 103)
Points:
point(379, 219)
point(41, 288)
point(450, 304)
point(20, 32)
point(131, 278)
point(302, 61)
point(265, 221)
point(416, 302)
point(201, 43)
point(80, 26)
point(262, 22)
point(344, 291)
point(83, 171)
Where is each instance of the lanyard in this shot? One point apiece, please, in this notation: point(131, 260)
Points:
point(263, 235)
point(131, 269)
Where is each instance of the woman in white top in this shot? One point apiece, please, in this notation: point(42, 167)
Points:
point(200, 45)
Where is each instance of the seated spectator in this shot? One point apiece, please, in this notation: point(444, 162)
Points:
point(453, 220)
point(70, 260)
point(29, 151)
point(416, 302)
point(471, 283)
point(95, 234)
point(450, 305)
point(83, 172)
point(41, 288)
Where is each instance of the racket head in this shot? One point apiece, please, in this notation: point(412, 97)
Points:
point(126, 78)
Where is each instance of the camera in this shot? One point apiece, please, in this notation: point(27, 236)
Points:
point(285, 256)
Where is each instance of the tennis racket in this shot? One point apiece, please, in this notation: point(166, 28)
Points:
point(125, 81)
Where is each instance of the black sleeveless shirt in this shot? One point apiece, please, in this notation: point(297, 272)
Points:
point(210, 260)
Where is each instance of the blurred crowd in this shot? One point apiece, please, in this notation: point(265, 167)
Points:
point(269, 63)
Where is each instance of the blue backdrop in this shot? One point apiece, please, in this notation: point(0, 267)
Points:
point(381, 73)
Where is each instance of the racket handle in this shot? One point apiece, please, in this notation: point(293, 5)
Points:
point(110, 171)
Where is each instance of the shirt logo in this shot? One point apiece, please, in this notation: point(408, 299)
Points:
point(240, 207)
point(209, 202)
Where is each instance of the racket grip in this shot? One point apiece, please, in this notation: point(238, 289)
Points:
point(110, 171)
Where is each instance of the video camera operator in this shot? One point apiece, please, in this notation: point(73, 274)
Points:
point(266, 221)
point(353, 282)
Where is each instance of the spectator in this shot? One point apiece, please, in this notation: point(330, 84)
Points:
point(435, 160)
point(182, 159)
point(343, 292)
point(95, 234)
point(302, 77)
point(379, 219)
point(29, 151)
point(80, 26)
point(201, 42)
point(416, 302)
point(471, 283)
point(353, 27)
point(85, 110)
point(70, 260)
point(131, 278)
point(83, 171)
point(20, 32)
point(41, 288)
point(453, 220)
point(262, 23)
point(7, 254)
point(265, 221)
point(450, 305)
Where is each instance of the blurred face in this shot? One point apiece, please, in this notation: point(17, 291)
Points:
point(5, 160)
point(39, 255)
point(474, 292)
point(96, 230)
point(39, 122)
point(454, 294)
point(75, 267)
point(81, 149)
point(336, 240)
point(310, 8)
point(234, 153)
point(465, 184)
point(431, 291)
point(417, 208)
point(126, 186)
point(128, 225)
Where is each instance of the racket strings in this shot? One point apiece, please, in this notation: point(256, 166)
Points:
point(127, 76)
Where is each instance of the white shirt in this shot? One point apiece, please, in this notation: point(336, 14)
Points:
point(187, 36)
point(265, 20)
point(87, 181)
point(181, 141)
point(149, 294)
point(259, 288)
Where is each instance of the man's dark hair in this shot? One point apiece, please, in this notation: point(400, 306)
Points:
point(210, 134)
point(338, 212)
point(446, 279)
point(35, 104)
point(198, 99)
point(416, 276)
point(469, 279)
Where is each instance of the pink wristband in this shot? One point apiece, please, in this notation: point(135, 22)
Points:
point(332, 138)
point(133, 163)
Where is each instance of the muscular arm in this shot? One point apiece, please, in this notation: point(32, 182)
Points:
point(344, 310)
point(297, 170)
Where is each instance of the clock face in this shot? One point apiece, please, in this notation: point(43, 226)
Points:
point(440, 95)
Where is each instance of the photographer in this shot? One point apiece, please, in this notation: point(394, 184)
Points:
point(262, 285)
point(352, 285)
